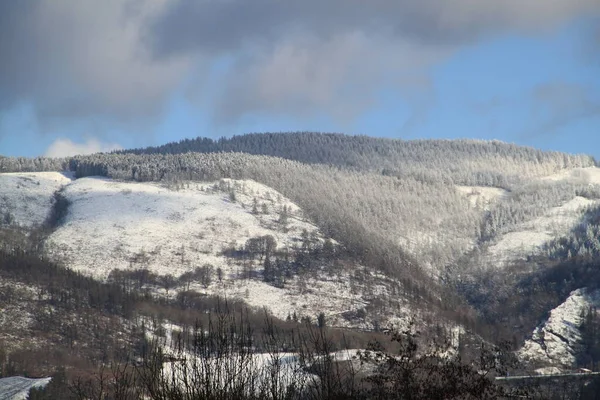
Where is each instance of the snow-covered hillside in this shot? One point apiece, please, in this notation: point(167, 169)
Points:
point(529, 238)
point(555, 343)
point(128, 225)
point(589, 175)
point(125, 225)
point(26, 197)
point(482, 196)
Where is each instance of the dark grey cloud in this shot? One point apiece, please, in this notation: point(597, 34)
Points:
point(78, 59)
point(227, 25)
point(556, 105)
point(121, 59)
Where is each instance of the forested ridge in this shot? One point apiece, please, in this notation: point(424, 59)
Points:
point(393, 202)
point(467, 162)
point(415, 211)
point(357, 182)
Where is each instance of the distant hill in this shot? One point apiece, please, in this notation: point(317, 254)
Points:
point(469, 162)
point(484, 235)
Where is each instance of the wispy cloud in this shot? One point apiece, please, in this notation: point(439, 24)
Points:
point(556, 105)
point(63, 147)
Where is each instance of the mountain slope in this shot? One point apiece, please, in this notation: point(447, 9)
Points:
point(26, 198)
point(391, 227)
point(172, 231)
point(17, 387)
point(557, 341)
point(113, 224)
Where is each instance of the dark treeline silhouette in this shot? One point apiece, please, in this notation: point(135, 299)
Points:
point(226, 358)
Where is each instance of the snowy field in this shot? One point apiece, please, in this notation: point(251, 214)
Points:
point(556, 341)
point(253, 371)
point(18, 387)
point(125, 225)
point(129, 225)
point(27, 197)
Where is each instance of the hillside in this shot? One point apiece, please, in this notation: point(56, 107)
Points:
point(558, 341)
point(17, 388)
point(481, 237)
point(173, 231)
point(466, 162)
point(26, 198)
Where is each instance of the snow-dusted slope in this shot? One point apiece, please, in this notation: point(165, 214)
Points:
point(129, 225)
point(18, 387)
point(590, 175)
point(529, 238)
point(557, 341)
point(26, 197)
point(124, 225)
point(482, 196)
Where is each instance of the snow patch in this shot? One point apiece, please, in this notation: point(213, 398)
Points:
point(26, 197)
point(18, 387)
point(529, 238)
point(482, 196)
point(557, 341)
point(127, 225)
point(589, 175)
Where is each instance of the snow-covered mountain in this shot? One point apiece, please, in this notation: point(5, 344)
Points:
point(174, 229)
point(410, 235)
point(557, 342)
point(113, 224)
point(26, 197)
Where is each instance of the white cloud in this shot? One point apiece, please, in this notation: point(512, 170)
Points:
point(65, 147)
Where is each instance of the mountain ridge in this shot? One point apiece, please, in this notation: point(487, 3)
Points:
point(424, 235)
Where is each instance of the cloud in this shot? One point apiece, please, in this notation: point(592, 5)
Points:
point(65, 147)
point(593, 43)
point(227, 25)
point(80, 59)
point(559, 104)
point(308, 75)
point(122, 59)
point(333, 56)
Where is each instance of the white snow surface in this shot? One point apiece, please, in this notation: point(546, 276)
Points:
point(129, 225)
point(288, 366)
point(27, 196)
point(18, 387)
point(113, 224)
point(589, 175)
point(482, 196)
point(557, 341)
point(529, 238)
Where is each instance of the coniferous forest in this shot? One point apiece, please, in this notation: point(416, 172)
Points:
point(412, 214)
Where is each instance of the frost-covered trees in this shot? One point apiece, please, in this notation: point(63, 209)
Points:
point(468, 162)
point(583, 240)
point(391, 202)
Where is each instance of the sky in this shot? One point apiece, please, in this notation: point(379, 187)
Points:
point(85, 76)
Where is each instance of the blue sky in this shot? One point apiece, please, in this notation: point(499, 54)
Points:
point(536, 85)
